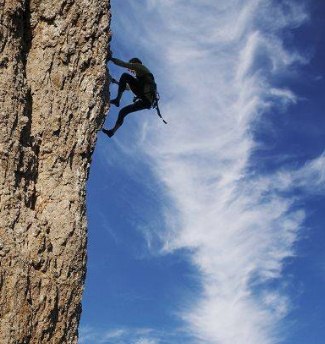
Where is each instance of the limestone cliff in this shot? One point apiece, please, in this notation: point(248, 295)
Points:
point(53, 86)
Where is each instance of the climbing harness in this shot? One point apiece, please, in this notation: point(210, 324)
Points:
point(152, 92)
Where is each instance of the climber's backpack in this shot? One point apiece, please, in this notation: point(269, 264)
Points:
point(150, 91)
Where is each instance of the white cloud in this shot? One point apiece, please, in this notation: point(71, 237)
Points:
point(113, 334)
point(310, 177)
point(146, 341)
point(286, 95)
point(220, 59)
point(130, 335)
point(90, 335)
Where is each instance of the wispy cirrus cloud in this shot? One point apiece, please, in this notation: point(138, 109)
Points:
point(310, 177)
point(116, 336)
point(216, 63)
point(130, 335)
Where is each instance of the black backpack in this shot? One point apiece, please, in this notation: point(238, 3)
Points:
point(148, 79)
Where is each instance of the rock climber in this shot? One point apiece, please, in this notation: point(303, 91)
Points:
point(142, 85)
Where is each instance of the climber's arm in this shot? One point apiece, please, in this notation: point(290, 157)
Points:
point(137, 67)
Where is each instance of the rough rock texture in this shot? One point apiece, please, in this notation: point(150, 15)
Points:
point(53, 86)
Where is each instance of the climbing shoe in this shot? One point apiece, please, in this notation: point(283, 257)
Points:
point(115, 102)
point(109, 133)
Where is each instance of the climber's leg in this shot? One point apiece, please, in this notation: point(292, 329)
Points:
point(137, 106)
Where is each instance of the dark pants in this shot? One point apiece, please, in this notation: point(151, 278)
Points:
point(141, 104)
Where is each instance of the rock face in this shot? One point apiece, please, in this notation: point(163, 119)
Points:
point(53, 97)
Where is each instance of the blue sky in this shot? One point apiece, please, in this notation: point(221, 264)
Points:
point(211, 229)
